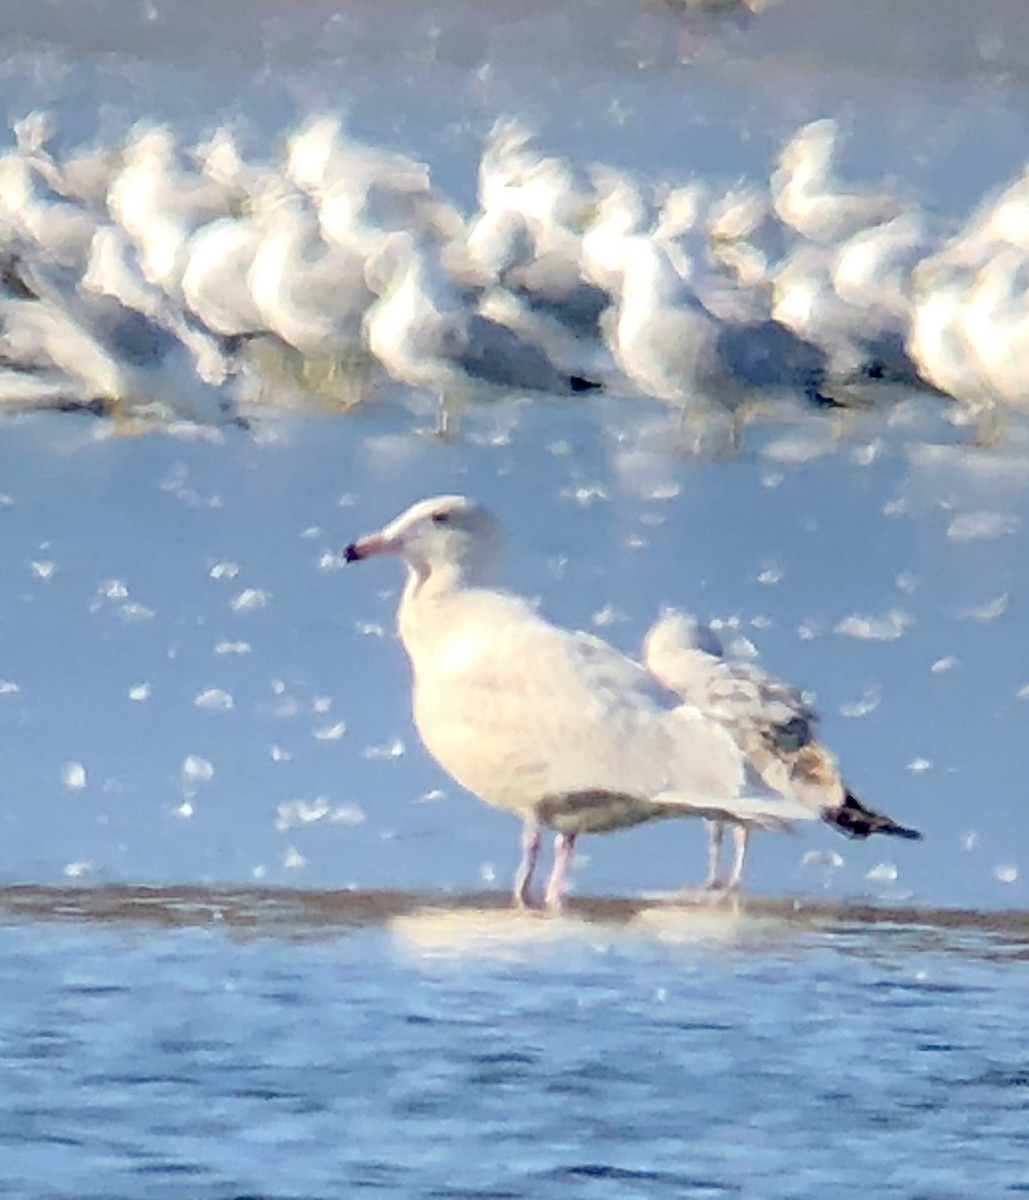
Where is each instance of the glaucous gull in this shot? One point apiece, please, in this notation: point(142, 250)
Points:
point(552, 725)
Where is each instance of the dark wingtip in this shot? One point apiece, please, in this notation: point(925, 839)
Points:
point(579, 384)
point(854, 820)
point(351, 553)
point(820, 399)
point(903, 831)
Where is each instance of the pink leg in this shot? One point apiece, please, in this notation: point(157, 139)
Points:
point(564, 848)
point(739, 836)
point(526, 868)
point(715, 837)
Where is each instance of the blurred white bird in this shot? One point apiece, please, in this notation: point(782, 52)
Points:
point(666, 341)
point(506, 250)
point(873, 269)
point(618, 213)
point(312, 295)
point(383, 189)
point(515, 177)
point(127, 361)
point(425, 337)
point(939, 344)
point(160, 204)
point(806, 196)
point(996, 326)
point(113, 270)
point(860, 343)
point(38, 216)
point(672, 346)
point(216, 278)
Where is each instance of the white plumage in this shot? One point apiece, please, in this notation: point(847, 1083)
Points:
point(552, 725)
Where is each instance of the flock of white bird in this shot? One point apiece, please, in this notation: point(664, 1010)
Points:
point(193, 284)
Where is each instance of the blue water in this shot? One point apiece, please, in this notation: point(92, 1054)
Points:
point(116, 651)
point(466, 1052)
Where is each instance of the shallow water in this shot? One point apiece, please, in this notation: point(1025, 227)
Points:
point(228, 1044)
point(195, 690)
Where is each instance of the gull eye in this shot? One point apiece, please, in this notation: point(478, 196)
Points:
point(441, 518)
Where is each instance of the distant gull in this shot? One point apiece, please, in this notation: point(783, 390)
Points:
point(425, 337)
point(552, 725)
point(33, 211)
point(666, 341)
point(806, 196)
point(112, 356)
point(515, 177)
point(860, 342)
point(996, 326)
point(287, 295)
point(527, 235)
point(773, 725)
point(113, 270)
point(312, 294)
point(940, 345)
point(381, 189)
point(216, 279)
point(508, 250)
point(673, 347)
point(159, 203)
point(618, 212)
point(873, 270)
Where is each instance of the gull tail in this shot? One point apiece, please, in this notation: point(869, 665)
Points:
point(580, 384)
point(854, 820)
point(776, 815)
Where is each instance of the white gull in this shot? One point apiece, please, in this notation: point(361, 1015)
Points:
point(861, 342)
point(554, 726)
point(672, 346)
point(216, 279)
point(311, 294)
point(160, 203)
point(425, 337)
point(996, 326)
point(618, 213)
point(382, 189)
point(527, 236)
point(940, 346)
point(515, 177)
point(113, 357)
point(32, 210)
point(113, 270)
point(665, 341)
point(506, 250)
point(805, 193)
point(773, 725)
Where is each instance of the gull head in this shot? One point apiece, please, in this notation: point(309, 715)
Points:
point(391, 261)
point(451, 534)
point(676, 646)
